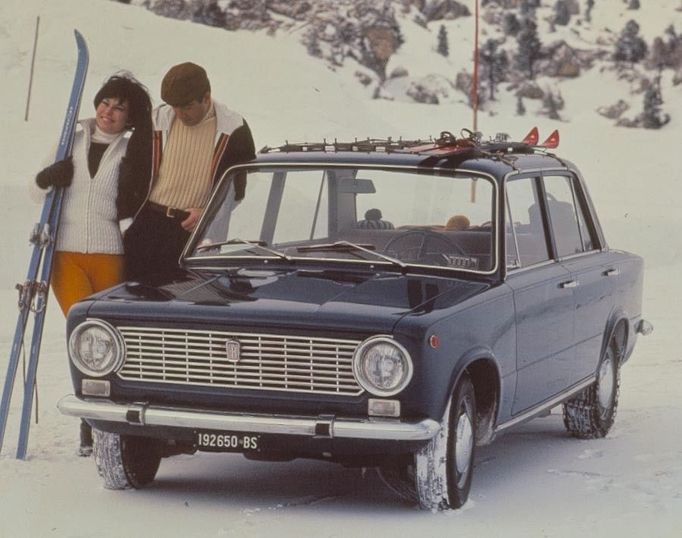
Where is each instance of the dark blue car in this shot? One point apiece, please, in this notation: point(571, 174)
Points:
point(387, 304)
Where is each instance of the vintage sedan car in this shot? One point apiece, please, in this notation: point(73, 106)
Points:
point(383, 304)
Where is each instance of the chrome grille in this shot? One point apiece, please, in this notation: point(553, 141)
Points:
point(267, 361)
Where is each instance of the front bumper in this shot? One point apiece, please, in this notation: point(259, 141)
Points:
point(324, 426)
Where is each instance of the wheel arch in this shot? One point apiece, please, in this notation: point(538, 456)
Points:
point(618, 330)
point(482, 368)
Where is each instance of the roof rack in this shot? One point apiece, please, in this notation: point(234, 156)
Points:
point(444, 146)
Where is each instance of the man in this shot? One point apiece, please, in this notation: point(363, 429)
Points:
point(195, 140)
point(374, 221)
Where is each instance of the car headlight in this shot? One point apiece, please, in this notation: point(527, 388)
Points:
point(382, 366)
point(96, 348)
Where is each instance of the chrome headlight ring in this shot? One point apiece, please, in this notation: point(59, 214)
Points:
point(96, 348)
point(382, 366)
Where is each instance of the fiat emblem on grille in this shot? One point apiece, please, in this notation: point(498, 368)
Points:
point(233, 349)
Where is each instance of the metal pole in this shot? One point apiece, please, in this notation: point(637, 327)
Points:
point(33, 62)
point(474, 82)
point(474, 91)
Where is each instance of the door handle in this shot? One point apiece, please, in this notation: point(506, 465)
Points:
point(612, 272)
point(569, 284)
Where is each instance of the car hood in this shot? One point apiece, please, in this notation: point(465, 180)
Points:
point(304, 298)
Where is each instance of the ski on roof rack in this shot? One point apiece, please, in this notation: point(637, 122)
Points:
point(446, 145)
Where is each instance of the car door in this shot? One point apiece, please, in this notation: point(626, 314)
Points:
point(579, 248)
point(543, 298)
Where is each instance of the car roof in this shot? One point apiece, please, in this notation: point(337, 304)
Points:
point(493, 158)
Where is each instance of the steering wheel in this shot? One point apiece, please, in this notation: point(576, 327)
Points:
point(413, 246)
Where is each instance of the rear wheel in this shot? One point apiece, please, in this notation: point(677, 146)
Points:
point(591, 414)
point(126, 461)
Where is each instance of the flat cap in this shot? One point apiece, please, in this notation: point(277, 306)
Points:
point(184, 83)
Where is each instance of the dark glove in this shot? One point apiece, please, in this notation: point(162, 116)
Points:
point(58, 174)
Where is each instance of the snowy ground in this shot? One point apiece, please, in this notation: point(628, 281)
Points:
point(534, 481)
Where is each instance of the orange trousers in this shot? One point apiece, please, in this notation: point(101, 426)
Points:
point(76, 275)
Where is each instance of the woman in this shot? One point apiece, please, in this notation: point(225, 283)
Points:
point(89, 249)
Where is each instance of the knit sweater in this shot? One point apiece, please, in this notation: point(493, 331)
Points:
point(185, 175)
point(89, 222)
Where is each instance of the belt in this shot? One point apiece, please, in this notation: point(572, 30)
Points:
point(170, 212)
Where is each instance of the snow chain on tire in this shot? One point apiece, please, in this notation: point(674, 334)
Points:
point(581, 414)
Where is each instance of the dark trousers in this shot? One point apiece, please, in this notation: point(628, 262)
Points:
point(153, 244)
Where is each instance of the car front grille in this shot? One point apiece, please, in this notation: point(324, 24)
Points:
point(263, 362)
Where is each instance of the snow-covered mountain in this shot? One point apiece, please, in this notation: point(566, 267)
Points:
point(529, 48)
point(531, 482)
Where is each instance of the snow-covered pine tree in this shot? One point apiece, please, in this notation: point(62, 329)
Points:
point(529, 47)
point(443, 48)
point(589, 6)
point(527, 8)
point(520, 108)
point(511, 24)
point(209, 13)
point(562, 13)
point(494, 65)
point(652, 118)
point(630, 47)
point(552, 104)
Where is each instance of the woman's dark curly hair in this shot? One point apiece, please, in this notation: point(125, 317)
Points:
point(127, 89)
point(135, 169)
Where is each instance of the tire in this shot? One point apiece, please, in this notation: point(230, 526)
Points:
point(126, 461)
point(591, 414)
point(444, 467)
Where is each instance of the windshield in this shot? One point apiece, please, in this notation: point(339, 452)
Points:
point(397, 217)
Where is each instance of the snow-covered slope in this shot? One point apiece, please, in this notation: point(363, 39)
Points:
point(531, 482)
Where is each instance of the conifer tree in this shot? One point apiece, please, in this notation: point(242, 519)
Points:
point(520, 108)
point(529, 47)
point(651, 116)
point(443, 47)
point(511, 24)
point(630, 47)
point(589, 6)
point(562, 13)
point(494, 65)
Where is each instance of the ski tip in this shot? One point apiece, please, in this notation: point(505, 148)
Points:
point(532, 137)
point(80, 40)
point(552, 140)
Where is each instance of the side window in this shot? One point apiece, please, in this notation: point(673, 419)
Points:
point(568, 221)
point(526, 241)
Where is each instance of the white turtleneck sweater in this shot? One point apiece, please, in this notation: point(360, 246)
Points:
point(89, 221)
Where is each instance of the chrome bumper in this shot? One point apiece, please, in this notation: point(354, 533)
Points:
point(320, 426)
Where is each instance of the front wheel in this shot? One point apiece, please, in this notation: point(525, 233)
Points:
point(444, 467)
point(126, 461)
point(591, 414)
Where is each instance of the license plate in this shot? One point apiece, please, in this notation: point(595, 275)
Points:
point(227, 441)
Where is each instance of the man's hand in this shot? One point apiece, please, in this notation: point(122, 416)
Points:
point(190, 222)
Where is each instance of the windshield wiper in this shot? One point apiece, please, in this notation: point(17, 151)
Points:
point(347, 246)
point(236, 241)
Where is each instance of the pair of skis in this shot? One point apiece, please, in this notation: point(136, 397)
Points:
point(33, 292)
